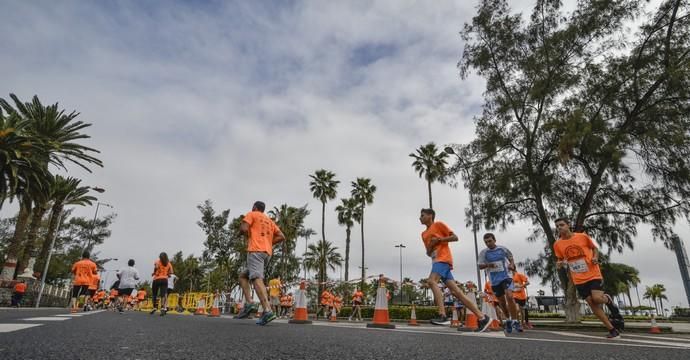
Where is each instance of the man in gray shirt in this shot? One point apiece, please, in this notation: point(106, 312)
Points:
point(129, 277)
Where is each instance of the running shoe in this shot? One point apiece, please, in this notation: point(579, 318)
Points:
point(441, 320)
point(483, 324)
point(246, 311)
point(617, 321)
point(613, 334)
point(152, 312)
point(266, 318)
point(508, 326)
point(164, 311)
point(517, 327)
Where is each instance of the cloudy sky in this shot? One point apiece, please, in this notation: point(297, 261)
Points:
point(241, 101)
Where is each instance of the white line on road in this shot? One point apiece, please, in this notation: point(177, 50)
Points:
point(46, 318)
point(656, 337)
point(4, 328)
point(622, 339)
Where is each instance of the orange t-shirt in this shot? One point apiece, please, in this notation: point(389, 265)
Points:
point(442, 250)
point(261, 232)
point(141, 295)
point(289, 300)
point(326, 298)
point(20, 288)
point(160, 271)
point(577, 251)
point(520, 279)
point(83, 271)
point(94, 282)
point(113, 293)
point(100, 295)
point(358, 296)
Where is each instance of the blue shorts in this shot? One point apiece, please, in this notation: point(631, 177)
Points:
point(442, 269)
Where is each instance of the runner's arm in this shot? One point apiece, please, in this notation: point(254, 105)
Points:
point(278, 237)
point(595, 256)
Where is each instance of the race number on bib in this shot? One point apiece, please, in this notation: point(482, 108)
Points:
point(497, 266)
point(578, 266)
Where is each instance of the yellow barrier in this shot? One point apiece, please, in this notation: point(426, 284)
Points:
point(173, 302)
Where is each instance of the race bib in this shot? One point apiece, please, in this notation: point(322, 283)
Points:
point(497, 266)
point(578, 266)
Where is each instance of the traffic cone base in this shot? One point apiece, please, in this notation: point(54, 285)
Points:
point(655, 329)
point(413, 317)
point(454, 322)
point(200, 307)
point(381, 320)
point(471, 322)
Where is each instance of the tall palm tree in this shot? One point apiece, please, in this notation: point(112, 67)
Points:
point(347, 211)
point(430, 163)
point(321, 257)
point(660, 291)
point(290, 220)
point(306, 233)
point(64, 192)
point(324, 187)
point(56, 136)
point(652, 293)
point(363, 192)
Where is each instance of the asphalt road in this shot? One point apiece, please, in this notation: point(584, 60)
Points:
point(54, 334)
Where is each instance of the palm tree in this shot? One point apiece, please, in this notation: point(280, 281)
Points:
point(323, 187)
point(347, 211)
point(363, 193)
point(430, 163)
point(290, 220)
point(321, 257)
point(652, 293)
point(55, 134)
point(64, 192)
point(306, 233)
point(660, 290)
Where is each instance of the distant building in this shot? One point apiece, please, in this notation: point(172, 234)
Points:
point(683, 264)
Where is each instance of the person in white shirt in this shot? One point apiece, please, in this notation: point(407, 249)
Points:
point(129, 277)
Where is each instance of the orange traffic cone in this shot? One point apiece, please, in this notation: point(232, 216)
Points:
point(200, 307)
point(215, 311)
point(381, 320)
point(301, 316)
point(334, 315)
point(655, 329)
point(471, 322)
point(454, 322)
point(413, 317)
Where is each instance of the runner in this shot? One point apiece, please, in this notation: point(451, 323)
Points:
point(357, 300)
point(83, 271)
point(172, 279)
point(436, 238)
point(497, 260)
point(141, 296)
point(162, 270)
point(290, 304)
point(262, 234)
point(326, 303)
point(91, 293)
point(19, 290)
point(520, 282)
point(337, 303)
point(129, 276)
point(578, 253)
point(274, 293)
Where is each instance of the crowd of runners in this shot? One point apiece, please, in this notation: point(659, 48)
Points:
point(505, 290)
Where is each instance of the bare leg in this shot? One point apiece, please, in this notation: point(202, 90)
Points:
point(246, 289)
point(508, 304)
point(438, 295)
point(595, 300)
point(469, 304)
point(260, 289)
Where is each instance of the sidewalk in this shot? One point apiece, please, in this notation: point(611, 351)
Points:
point(675, 327)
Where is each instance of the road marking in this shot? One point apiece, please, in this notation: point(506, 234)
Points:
point(623, 339)
point(654, 337)
point(69, 315)
point(4, 328)
point(46, 318)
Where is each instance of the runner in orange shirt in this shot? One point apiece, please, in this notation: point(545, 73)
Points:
point(337, 303)
point(357, 300)
point(162, 269)
point(520, 282)
point(577, 253)
point(19, 290)
point(436, 238)
point(141, 296)
point(91, 293)
point(83, 272)
point(326, 303)
point(262, 234)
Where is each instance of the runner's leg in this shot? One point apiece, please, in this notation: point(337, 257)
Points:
point(469, 304)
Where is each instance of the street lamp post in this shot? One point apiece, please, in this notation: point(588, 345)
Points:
point(449, 150)
point(401, 246)
point(93, 222)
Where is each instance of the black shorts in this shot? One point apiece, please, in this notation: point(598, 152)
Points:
point(500, 288)
point(91, 292)
point(585, 290)
point(125, 291)
point(356, 303)
point(521, 302)
point(79, 290)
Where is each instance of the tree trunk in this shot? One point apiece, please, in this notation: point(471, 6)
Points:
point(323, 221)
point(32, 236)
point(10, 265)
point(629, 297)
point(362, 233)
point(347, 253)
point(431, 205)
point(661, 306)
point(52, 229)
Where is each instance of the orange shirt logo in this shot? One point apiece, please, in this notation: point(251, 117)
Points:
point(577, 251)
